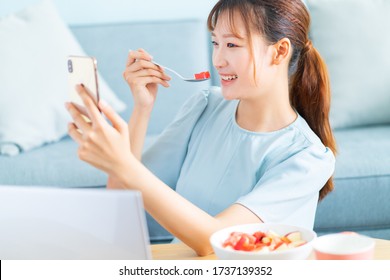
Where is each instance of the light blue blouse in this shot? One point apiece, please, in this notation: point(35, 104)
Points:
point(207, 158)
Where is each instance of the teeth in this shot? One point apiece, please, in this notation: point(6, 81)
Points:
point(229, 78)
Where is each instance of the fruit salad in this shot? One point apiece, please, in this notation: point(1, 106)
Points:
point(202, 75)
point(263, 241)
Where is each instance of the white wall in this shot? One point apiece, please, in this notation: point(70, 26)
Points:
point(103, 11)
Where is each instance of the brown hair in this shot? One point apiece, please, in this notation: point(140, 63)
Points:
point(308, 75)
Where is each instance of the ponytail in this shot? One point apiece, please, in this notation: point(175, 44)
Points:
point(310, 96)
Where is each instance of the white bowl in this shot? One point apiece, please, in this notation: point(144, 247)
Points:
point(298, 253)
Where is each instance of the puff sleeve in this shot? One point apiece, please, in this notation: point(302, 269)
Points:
point(288, 191)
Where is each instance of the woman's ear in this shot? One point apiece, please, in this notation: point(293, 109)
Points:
point(282, 51)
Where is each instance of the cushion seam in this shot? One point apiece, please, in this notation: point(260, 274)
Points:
point(362, 177)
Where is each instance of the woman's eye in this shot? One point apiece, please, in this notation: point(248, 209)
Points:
point(231, 45)
point(214, 43)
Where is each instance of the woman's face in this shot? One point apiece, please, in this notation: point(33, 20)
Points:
point(233, 61)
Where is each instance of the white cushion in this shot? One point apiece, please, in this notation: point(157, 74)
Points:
point(34, 47)
point(352, 36)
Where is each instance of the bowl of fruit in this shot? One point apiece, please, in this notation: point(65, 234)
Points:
point(263, 241)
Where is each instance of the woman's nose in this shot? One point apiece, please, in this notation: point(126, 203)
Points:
point(219, 60)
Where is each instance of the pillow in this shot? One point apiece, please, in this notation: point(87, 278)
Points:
point(34, 47)
point(351, 35)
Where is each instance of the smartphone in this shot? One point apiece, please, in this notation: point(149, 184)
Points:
point(82, 70)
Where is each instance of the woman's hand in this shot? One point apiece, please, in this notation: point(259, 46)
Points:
point(102, 145)
point(143, 77)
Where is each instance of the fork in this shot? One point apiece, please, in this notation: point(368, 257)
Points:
point(180, 76)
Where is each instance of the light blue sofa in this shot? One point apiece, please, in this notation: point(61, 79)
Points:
point(362, 178)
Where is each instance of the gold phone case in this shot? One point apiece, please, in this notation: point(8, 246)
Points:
point(82, 70)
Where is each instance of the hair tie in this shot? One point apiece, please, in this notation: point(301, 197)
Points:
point(308, 46)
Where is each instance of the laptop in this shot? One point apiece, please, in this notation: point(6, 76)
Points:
point(72, 224)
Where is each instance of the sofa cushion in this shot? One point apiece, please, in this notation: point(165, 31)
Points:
point(351, 36)
point(54, 165)
point(362, 184)
point(35, 43)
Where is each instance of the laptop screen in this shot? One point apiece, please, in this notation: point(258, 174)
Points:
point(56, 223)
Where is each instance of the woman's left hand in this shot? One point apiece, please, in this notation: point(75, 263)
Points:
point(104, 146)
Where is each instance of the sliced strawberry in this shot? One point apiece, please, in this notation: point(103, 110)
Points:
point(199, 76)
point(246, 243)
point(202, 75)
point(232, 239)
point(259, 235)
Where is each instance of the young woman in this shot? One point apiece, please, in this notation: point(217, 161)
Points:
point(258, 149)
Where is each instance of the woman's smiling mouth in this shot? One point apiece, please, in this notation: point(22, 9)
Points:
point(228, 77)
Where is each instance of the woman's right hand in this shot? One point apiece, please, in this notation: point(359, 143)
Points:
point(143, 77)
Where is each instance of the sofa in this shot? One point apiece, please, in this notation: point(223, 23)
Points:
point(359, 201)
